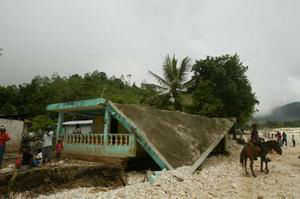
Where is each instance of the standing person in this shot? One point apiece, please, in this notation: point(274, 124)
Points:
point(77, 129)
point(278, 137)
point(294, 141)
point(4, 137)
point(59, 147)
point(284, 138)
point(47, 145)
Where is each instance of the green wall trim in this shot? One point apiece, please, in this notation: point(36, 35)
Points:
point(77, 105)
point(132, 128)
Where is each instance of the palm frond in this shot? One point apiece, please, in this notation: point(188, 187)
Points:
point(161, 88)
point(160, 80)
point(170, 69)
point(189, 84)
point(184, 68)
point(174, 68)
point(158, 100)
point(167, 69)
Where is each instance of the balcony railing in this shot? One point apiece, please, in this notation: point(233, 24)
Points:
point(119, 145)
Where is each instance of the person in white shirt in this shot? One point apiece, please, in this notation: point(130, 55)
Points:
point(47, 145)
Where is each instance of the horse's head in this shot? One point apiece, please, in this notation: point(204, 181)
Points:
point(275, 146)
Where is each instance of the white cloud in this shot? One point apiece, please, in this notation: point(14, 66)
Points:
point(122, 37)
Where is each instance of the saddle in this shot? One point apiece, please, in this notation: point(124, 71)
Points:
point(254, 145)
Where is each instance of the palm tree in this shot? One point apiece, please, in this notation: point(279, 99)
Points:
point(172, 85)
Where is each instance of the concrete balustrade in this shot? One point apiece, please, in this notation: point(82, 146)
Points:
point(97, 139)
point(119, 145)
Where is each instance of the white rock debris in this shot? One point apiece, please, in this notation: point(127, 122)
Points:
point(219, 177)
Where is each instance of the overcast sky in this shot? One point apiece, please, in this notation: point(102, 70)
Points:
point(40, 37)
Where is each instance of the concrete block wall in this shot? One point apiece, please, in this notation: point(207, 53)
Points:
point(15, 130)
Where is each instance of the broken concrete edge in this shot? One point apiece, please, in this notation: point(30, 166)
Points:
point(204, 155)
point(153, 176)
point(197, 164)
point(159, 159)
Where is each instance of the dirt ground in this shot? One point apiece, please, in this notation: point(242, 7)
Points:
point(218, 177)
point(59, 176)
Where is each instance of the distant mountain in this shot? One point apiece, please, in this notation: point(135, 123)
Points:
point(288, 112)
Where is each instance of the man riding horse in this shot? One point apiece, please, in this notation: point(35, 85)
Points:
point(257, 141)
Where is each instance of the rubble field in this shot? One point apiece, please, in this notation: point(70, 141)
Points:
point(218, 177)
point(56, 177)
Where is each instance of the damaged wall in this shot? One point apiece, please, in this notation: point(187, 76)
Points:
point(179, 137)
point(15, 130)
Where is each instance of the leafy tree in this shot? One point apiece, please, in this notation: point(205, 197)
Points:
point(30, 99)
point(171, 85)
point(220, 88)
point(41, 122)
point(9, 109)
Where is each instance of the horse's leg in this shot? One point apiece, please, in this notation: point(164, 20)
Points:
point(262, 160)
point(251, 166)
point(245, 165)
point(267, 169)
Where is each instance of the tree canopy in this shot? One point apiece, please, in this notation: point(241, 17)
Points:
point(30, 99)
point(220, 88)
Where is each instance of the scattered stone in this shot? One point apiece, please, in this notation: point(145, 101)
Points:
point(219, 177)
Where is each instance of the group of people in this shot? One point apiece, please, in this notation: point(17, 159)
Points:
point(281, 138)
point(32, 156)
point(44, 155)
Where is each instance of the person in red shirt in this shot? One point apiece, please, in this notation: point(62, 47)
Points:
point(59, 147)
point(4, 137)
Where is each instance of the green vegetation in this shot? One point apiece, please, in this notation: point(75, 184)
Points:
point(279, 124)
point(29, 100)
point(172, 85)
point(41, 122)
point(219, 88)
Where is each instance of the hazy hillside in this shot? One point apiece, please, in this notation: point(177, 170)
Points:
point(288, 112)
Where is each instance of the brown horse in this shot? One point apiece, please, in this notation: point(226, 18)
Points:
point(252, 152)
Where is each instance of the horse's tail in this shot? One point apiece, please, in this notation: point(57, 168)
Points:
point(242, 156)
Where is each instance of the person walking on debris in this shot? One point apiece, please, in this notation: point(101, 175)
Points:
point(47, 145)
point(284, 138)
point(59, 147)
point(4, 137)
point(294, 141)
point(278, 137)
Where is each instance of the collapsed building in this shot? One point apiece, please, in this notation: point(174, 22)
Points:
point(172, 139)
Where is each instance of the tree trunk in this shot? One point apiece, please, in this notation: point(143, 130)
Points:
point(178, 106)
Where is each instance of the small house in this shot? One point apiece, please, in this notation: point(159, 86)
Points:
point(171, 138)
